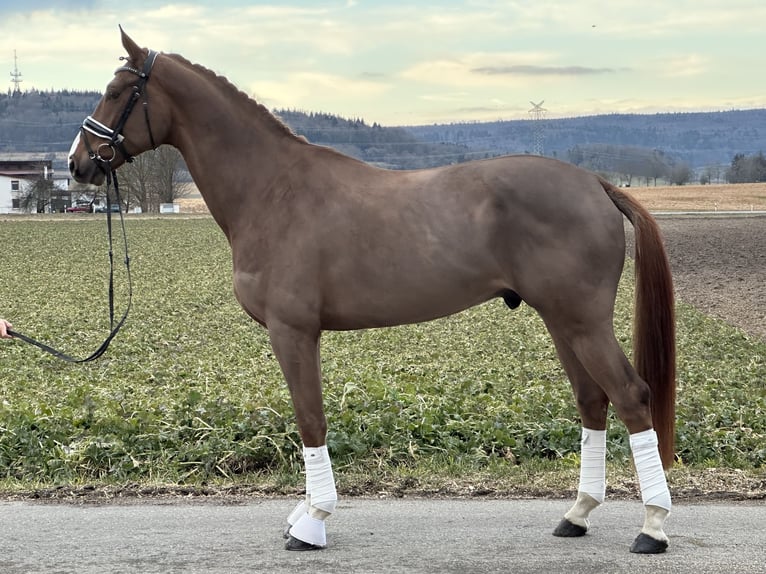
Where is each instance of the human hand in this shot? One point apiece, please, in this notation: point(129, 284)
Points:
point(4, 326)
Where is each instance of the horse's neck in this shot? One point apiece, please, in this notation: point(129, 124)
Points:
point(235, 158)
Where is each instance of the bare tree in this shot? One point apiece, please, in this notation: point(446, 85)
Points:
point(38, 196)
point(680, 174)
point(711, 174)
point(154, 178)
point(135, 180)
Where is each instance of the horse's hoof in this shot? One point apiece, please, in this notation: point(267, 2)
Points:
point(286, 532)
point(296, 545)
point(645, 544)
point(567, 529)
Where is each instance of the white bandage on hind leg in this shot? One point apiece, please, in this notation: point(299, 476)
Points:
point(651, 475)
point(320, 482)
point(593, 464)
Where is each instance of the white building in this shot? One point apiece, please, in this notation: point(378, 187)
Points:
point(18, 172)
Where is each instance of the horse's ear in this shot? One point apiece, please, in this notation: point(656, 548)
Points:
point(130, 46)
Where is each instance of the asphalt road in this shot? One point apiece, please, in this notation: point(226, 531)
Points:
point(373, 536)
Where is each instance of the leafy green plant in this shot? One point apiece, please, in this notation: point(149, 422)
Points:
point(189, 391)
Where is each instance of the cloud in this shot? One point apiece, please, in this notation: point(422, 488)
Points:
point(10, 6)
point(458, 70)
point(527, 70)
point(318, 91)
point(683, 66)
point(498, 69)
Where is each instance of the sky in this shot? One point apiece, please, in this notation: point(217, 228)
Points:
point(409, 63)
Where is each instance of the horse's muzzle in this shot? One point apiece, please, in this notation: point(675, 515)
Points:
point(86, 171)
point(82, 168)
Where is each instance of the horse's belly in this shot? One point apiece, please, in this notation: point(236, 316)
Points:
point(399, 306)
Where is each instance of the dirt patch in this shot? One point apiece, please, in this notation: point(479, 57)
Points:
point(719, 266)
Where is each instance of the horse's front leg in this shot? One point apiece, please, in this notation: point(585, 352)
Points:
point(297, 351)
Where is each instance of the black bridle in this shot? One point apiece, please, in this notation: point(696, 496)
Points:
point(115, 140)
point(114, 137)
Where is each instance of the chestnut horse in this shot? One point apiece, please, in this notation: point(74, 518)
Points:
point(322, 241)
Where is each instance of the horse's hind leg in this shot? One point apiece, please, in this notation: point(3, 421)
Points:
point(593, 346)
point(592, 403)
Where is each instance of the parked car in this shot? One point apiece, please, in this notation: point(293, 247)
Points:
point(80, 207)
point(115, 208)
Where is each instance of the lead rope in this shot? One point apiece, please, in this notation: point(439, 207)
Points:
point(111, 180)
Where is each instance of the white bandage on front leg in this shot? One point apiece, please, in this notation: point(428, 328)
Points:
point(308, 518)
point(651, 475)
point(320, 482)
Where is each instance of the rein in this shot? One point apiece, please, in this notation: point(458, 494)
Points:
point(116, 140)
point(115, 328)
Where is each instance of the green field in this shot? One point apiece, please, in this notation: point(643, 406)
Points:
point(190, 393)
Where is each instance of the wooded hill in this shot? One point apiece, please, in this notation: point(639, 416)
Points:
point(697, 139)
point(47, 121)
point(38, 121)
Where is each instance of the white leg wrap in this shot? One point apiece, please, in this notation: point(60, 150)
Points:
point(307, 518)
point(651, 476)
point(593, 464)
point(320, 482)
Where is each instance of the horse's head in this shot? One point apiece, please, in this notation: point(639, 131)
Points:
point(117, 131)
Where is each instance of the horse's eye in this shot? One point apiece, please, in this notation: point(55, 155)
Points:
point(112, 94)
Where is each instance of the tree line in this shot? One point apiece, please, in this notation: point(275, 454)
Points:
point(631, 163)
point(747, 169)
point(650, 165)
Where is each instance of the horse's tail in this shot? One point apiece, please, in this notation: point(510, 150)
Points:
point(654, 344)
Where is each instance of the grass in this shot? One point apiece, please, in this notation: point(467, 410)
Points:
point(189, 392)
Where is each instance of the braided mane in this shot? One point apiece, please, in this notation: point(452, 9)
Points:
point(257, 108)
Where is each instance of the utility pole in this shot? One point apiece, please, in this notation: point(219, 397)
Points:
point(16, 76)
point(538, 114)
